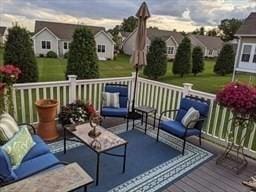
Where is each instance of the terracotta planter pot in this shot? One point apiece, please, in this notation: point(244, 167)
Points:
point(47, 110)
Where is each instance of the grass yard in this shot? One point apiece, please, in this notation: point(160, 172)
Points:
point(54, 70)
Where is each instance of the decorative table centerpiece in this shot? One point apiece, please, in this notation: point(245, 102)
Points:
point(240, 99)
point(9, 74)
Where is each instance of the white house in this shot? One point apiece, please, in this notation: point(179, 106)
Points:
point(211, 46)
point(3, 35)
point(52, 36)
point(171, 38)
point(246, 47)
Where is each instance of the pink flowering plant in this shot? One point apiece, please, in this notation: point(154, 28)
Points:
point(9, 74)
point(239, 98)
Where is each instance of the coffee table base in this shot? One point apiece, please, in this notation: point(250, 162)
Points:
point(98, 155)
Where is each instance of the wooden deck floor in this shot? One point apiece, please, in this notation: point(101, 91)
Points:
point(208, 177)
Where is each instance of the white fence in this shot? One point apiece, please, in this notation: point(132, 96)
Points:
point(159, 95)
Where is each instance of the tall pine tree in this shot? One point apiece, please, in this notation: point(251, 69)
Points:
point(19, 52)
point(225, 61)
point(156, 59)
point(182, 61)
point(197, 60)
point(82, 59)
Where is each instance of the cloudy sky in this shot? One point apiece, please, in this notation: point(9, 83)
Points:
point(166, 14)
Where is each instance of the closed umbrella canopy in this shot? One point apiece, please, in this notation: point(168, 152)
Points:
point(138, 58)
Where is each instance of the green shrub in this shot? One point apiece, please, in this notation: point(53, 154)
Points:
point(66, 55)
point(225, 61)
point(156, 59)
point(197, 61)
point(82, 59)
point(51, 54)
point(19, 52)
point(182, 61)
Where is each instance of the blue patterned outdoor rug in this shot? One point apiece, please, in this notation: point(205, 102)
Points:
point(150, 165)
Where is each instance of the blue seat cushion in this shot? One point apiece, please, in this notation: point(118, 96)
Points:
point(6, 172)
point(35, 165)
point(176, 128)
point(187, 103)
point(114, 112)
point(38, 149)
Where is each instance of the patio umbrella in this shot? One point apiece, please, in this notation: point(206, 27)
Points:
point(138, 58)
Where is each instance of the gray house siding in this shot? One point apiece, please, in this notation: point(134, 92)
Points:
point(45, 35)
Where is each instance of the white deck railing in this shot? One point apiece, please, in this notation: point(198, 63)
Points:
point(159, 95)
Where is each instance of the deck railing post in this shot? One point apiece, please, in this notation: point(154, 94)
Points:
point(187, 87)
point(72, 88)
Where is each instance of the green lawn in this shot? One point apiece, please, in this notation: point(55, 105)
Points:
point(54, 69)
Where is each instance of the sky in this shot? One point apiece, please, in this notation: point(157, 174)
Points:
point(182, 15)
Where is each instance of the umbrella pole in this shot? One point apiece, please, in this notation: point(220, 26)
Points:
point(135, 88)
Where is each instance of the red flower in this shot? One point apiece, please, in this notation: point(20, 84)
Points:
point(238, 97)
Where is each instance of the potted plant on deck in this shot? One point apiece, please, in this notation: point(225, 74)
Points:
point(47, 110)
point(240, 99)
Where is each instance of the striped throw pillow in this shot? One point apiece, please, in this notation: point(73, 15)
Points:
point(191, 115)
point(8, 127)
point(110, 100)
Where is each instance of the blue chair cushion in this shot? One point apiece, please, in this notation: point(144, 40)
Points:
point(176, 128)
point(114, 112)
point(123, 93)
point(187, 103)
point(123, 90)
point(6, 172)
point(38, 149)
point(35, 165)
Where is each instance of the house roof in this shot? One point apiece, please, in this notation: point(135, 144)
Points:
point(64, 30)
point(249, 25)
point(153, 33)
point(2, 30)
point(209, 41)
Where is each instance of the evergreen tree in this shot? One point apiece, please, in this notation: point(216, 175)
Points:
point(182, 61)
point(82, 59)
point(19, 52)
point(225, 61)
point(197, 60)
point(156, 59)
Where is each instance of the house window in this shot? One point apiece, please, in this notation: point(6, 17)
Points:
point(246, 54)
point(101, 48)
point(210, 52)
point(254, 56)
point(66, 45)
point(46, 45)
point(170, 50)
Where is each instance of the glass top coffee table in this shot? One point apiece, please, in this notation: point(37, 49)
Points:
point(102, 144)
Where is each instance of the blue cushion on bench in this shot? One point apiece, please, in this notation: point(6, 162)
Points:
point(176, 128)
point(6, 172)
point(115, 112)
point(39, 149)
point(35, 165)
